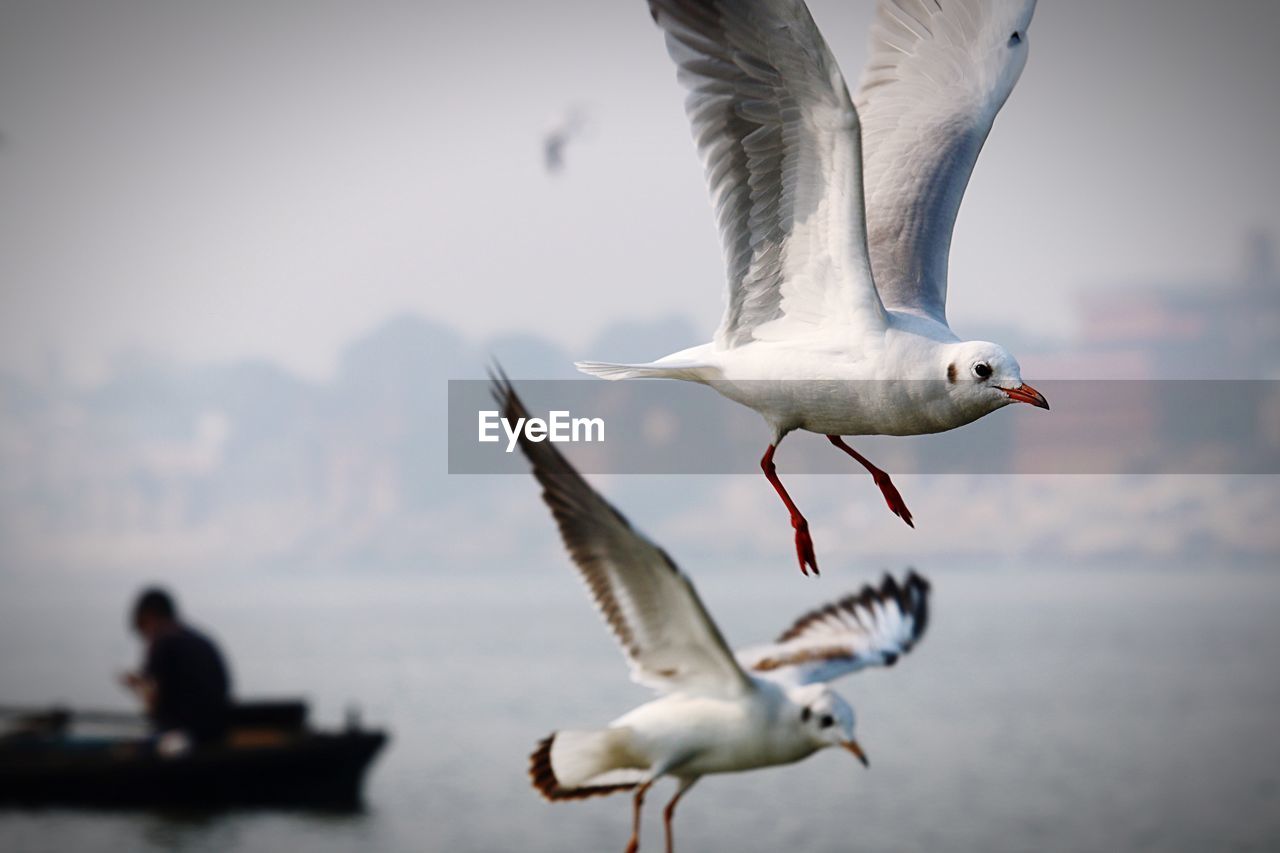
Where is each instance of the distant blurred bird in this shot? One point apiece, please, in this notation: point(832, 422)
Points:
point(718, 713)
point(569, 127)
point(810, 338)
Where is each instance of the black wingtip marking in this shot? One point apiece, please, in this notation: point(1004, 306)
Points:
point(504, 393)
point(917, 592)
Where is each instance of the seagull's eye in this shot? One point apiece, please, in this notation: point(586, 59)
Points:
point(805, 715)
point(826, 722)
point(1015, 39)
point(982, 370)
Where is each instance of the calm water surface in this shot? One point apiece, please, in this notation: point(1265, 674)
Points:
point(1044, 711)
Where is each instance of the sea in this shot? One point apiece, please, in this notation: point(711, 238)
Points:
point(1045, 710)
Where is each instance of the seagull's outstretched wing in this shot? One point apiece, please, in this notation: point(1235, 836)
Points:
point(938, 73)
point(778, 136)
point(649, 605)
point(872, 628)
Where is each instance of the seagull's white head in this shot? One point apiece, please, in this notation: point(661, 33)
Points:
point(826, 719)
point(983, 377)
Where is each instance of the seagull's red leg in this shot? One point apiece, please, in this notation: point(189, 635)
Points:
point(804, 544)
point(636, 805)
point(670, 811)
point(887, 488)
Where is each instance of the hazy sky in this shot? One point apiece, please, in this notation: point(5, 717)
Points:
point(221, 180)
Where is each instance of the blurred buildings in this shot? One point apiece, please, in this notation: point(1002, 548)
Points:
point(167, 465)
point(1224, 329)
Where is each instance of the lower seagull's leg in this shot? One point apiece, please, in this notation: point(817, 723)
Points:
point(637, 805)
point(670, 811)
point(891, 496)
point(804, 543)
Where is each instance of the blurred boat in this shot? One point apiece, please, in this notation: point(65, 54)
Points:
point(271, 758)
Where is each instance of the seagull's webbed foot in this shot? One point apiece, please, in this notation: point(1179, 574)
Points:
point(804, 546)
point(892, 497)
point(891, 494)
point(804, 543)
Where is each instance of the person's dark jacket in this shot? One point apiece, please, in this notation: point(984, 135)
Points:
point(191, 683)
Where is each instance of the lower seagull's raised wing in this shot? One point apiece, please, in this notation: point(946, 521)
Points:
point(872, 628)
point(649, 605)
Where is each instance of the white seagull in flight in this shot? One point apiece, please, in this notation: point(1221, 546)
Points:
point(718, 712)
point(837, 261)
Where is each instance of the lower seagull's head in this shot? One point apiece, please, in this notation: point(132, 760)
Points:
point(827, 719)
point(983, 377)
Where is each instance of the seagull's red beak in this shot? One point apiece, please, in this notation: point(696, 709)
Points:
point(1024, 393)
point(852, 746)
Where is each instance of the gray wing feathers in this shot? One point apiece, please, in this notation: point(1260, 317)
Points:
point(939, 72)
point(778, 136)
point(650, 607)
point(873, 627)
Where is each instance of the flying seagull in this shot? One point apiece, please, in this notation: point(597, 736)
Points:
point(837, 259)
point(568, 127)
point(718, 712)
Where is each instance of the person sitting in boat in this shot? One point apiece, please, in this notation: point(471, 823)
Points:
point(183, 681)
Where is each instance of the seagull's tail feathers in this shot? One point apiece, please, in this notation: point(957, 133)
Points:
point(577, 765)
point(690, 371)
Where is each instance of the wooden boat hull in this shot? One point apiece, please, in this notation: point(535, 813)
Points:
point(307, 770)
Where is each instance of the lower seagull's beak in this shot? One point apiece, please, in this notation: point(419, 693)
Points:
point(1024, 393)
point(852, 746)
